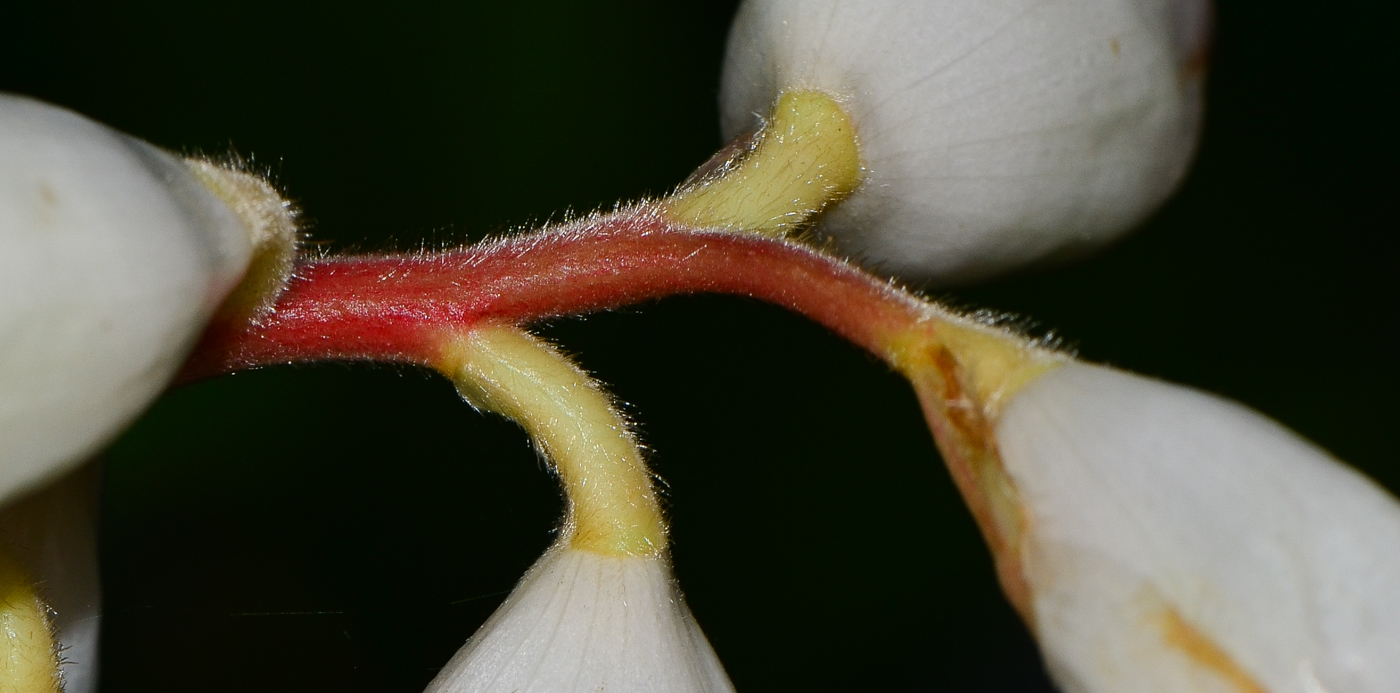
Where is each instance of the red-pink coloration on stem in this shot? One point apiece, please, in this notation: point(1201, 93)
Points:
point(398, 307)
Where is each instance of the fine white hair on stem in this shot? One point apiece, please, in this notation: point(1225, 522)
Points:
point(993, 133)
point(112, 256)
point(580, 622)
point(1178, 541)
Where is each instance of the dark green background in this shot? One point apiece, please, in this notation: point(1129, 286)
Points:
point(348, 527)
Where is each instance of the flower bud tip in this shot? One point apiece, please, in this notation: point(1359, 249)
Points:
point(580, 622)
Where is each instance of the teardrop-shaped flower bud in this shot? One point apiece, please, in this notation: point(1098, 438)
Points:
point(581, 621)
point(992, 133)
point(1175, 541)
point(113, 255)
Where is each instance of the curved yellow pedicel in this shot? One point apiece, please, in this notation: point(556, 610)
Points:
point(612, 506)
point(805, 157)
point(28, 655)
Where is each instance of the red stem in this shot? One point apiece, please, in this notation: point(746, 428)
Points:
point(398, 307)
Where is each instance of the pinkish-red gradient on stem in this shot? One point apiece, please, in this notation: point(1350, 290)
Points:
point(399, 308)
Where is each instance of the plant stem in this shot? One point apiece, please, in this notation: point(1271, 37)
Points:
point(612, 506)
point(399, 307)
point(411, 308)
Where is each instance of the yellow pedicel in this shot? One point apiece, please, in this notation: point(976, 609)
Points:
point(964, 373)
point(28, 655)
point(992, 363)
point(612, 507)
point(805, 157)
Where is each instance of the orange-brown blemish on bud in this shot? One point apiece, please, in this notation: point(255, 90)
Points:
point(1206, 653)
point(964, 436)
point(963, 373)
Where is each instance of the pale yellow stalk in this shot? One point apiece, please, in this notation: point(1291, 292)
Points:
point(805, 158)
point(28, 653)
point(612, 506)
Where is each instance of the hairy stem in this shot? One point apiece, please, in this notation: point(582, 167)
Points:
point(396, 307)
point(612, 507)
point(410, 308)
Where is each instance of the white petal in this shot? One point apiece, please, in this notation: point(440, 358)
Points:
point(1178, 541)
point(112, 256)
point(581, 621)
point(994, 132)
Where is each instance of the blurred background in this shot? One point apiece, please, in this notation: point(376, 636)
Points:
point(348, 527)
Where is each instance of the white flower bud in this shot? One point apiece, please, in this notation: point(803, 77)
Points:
point(112, 257)
point(1176, 541)
point(993, 133)
point(580, 622)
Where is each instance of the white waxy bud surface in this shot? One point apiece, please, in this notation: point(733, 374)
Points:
point(112, 257)
point(580, 622)
point(994, 133)
point(1177, 541)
